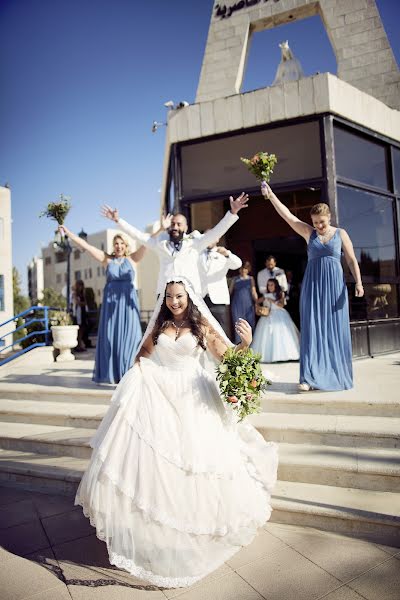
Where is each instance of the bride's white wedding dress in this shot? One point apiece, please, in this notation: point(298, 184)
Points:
point(175, 487)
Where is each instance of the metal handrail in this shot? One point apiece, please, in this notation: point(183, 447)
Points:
point(36, 319)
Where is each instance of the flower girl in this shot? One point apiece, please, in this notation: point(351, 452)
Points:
point(276, 337)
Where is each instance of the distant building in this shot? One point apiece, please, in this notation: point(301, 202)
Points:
point(6, 278)
point(35, 279)
point(337, 139)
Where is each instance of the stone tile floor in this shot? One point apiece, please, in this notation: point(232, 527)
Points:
point(50, 552)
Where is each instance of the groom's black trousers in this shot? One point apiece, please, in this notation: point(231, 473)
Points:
point(221, 313)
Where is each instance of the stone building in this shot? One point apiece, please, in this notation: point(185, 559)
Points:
point(35, 279)
point(6, 278)
point(337, 138)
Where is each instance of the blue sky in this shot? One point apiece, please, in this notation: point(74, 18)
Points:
point(82, 81)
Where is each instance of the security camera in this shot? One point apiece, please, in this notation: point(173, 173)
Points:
point(169, 104)
point(182, 104)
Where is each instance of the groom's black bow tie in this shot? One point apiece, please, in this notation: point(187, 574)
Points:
point(177, 246)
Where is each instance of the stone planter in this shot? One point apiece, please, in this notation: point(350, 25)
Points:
point(65, 337)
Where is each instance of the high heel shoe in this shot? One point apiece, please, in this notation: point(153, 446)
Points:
point(304, 387)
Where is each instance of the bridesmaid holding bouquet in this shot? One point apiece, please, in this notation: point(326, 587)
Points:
point(325, 340)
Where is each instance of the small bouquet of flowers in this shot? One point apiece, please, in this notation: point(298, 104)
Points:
point(57, 210)
point(261, 165)
point(241, 381)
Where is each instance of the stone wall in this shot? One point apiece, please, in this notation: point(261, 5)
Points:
point(354, 27)
point(305, 97)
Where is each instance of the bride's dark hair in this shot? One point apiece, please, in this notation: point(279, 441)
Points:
point(194, 318)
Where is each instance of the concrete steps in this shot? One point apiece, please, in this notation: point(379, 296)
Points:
point(46, 439)
point(54, 393)
point(315, 403)
point(41, 472)
point(66, 414)
point(364, 513)
point(331, 430)
point(360, 468)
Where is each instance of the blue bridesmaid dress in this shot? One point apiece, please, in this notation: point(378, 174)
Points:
point(242, 304)
point(119, 330)
point(325, 340)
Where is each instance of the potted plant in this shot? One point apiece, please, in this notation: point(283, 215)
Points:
point(65, 335)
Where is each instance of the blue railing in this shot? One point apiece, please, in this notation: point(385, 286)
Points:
point(39, 314)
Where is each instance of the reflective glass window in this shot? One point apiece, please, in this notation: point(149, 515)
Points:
point(368, 219)
point(379, 302)
point(360, 159)
point(214, 166)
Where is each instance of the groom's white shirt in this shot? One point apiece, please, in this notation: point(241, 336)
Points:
point(184, 261)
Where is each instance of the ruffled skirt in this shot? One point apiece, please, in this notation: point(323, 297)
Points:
point(276, 337)
point(174, 486)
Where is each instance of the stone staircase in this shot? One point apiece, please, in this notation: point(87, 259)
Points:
point(339, 452)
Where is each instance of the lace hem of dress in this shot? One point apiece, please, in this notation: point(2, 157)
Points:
point(158, 516)
point(174, 459)
point(128, 565)
point(162, 582)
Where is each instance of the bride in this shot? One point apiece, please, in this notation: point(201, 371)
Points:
point(175, 486)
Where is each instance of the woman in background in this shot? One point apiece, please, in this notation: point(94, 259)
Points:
point(80, 315)
point(243, 297)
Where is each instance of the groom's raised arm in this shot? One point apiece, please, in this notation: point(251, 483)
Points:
point(136, 234)
point(144, 238)
point(213, 235)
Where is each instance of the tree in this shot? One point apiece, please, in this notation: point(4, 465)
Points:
point(21, 302)
point(53, 298)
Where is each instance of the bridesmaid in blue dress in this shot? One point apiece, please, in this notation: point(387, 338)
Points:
point(325, 340)
point(243, 298)
point(119, 331)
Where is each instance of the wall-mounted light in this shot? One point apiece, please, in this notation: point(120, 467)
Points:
point(156, 125)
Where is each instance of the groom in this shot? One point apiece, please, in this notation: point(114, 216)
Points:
point(179, 255)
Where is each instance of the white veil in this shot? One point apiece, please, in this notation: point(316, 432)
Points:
point(197, 301)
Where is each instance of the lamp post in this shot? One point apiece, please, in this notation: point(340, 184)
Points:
point(63, 244)
point(68, 249)
point(83, 235)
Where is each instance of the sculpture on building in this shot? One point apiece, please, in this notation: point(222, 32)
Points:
point(289, 69)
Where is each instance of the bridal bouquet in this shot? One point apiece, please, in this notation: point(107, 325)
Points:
point(57, 210)
point(261, 165)
point(241, 381)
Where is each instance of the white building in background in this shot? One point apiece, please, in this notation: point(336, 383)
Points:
point(93, 274)
point(6, 280)
point(35, 279)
